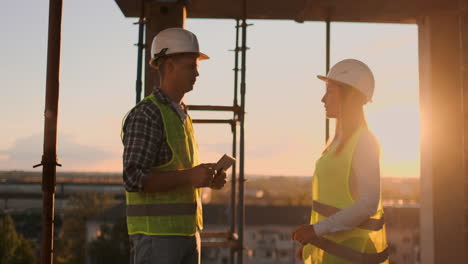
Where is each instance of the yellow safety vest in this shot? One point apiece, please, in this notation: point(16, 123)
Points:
point(175, 212)
point(366, 244)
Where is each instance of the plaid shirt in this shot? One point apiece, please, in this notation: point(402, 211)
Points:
point(145, 144)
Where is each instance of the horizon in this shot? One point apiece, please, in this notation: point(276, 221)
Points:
point(228, 173)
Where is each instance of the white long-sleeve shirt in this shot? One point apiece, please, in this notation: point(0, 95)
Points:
point(364, 185)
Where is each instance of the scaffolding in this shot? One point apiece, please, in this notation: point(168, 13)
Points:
point(230, 239)
point(233, 238)
point(448, 18)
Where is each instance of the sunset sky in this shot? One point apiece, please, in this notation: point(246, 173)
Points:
point(285, 118)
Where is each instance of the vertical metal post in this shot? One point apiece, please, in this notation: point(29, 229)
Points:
point(141, 46)
point(234, 143)
point(49, 158)
point(327, 68)
point(241, 209)
point(464, 65)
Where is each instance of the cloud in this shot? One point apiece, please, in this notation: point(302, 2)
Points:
point(27, 152)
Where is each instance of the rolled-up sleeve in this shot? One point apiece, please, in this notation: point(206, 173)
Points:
point(142, 138)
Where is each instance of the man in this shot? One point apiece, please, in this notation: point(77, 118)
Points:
point(162, 176)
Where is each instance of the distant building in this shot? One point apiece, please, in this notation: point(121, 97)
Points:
point(267, 237)
point(403, 233)
point(267, 230)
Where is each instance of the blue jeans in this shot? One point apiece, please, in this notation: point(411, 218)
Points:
point(146, 249)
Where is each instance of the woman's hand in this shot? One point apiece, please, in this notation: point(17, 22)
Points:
point(304, 234)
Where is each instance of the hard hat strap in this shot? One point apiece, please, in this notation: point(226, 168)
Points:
point(162, 53)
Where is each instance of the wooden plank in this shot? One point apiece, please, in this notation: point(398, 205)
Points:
point(221, 244)
point(227, 235)
point(385, 11)
point(214, 121)
point(235, 109)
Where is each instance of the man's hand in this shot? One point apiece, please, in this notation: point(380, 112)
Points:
point(219, 180)
point(304, 234)
point(202, 175)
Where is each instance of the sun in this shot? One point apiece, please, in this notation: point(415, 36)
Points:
point(398, 129)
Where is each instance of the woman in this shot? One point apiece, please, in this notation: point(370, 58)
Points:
point(347, 216)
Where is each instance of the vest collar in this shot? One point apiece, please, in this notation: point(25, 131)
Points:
point(180, 109)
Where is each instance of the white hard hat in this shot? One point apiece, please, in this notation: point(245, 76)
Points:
point(353, 73)
point(173, 41)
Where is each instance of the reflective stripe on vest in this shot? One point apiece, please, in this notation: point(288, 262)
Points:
point(327, 210)
point(161, 209)
point(348, 253)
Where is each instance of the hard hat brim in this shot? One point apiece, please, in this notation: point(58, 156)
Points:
point(323, 78)
point(203, 56)
point(326, 79)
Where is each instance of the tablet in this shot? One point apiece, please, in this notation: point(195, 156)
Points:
point(225, 162)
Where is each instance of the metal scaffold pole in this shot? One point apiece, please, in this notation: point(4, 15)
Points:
point(49, 157)
point(234, 145)
point(327, 68)
point(236, 206)
point(141, 47)
point(241, 208)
